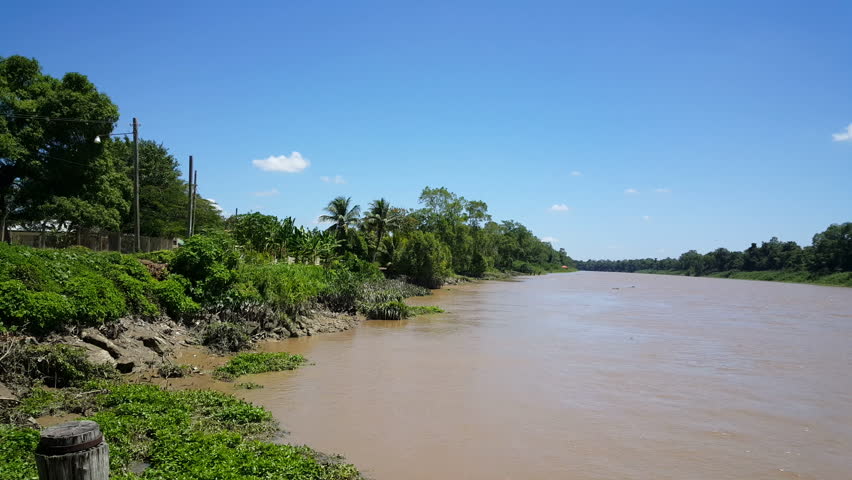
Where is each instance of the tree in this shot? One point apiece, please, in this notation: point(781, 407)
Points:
point(50, 167)
point(382, 218)
point(425, 260)
point(832, 249)
point(341, 216)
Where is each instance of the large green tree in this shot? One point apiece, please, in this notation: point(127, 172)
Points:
point(51, 170)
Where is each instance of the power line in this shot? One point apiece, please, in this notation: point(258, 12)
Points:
point(55, 119)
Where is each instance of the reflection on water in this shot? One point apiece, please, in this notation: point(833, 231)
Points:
point(585, 376)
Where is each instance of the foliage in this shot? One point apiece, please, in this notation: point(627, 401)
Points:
point(424, 310)
point(824, 262)
point(226, 337)
point(392, 310)
point(290, 289)
point(52, 171)
point(55, 365)
point(43, 290)
point(172, 295)
point(16, 453)
point(425, 260)
point(341, 215)
point(247, 363)
point(209, 263)
point(199, 435)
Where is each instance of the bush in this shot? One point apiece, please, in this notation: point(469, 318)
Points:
point(246, 363)
point(425, 260)
point(209, 263)
point(291, 289)
point(172, 295)
point(95, 299)
point(393, 310)
point(424, 310)
point(44, 290)
point(226, 337)
point(159, 256)
point(55, 365)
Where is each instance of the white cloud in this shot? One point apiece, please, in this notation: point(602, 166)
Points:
point(631, 191)
point(663, 190)
point(575, 173)
point(560, 207)
point(843, 136)
point(295, 163)
point(550, 239)
point(267, 193)
point(646, 217)
point(214, 204)
point(338, 179)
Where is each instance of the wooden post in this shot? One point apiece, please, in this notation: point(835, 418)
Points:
point(73, 451)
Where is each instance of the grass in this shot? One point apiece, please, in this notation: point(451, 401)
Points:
point(246, 363)
point(425, 310)
point(193, 434)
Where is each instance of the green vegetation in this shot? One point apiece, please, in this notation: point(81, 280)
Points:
point(424, 310)
point(43, 289)
point(194, 434)
point(247, 363)
point(54, 177)
point(55, 365)
point(827, 261)
point(248, 386)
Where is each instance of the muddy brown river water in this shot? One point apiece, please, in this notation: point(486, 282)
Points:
point(585, 376)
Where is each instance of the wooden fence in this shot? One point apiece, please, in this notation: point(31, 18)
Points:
point(98, 241)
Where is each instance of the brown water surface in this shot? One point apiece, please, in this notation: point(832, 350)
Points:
point(585, 376)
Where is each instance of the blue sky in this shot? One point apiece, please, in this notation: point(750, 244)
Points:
point(659, 126)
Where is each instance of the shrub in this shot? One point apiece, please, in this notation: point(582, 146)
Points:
point(291, 289)
point(393, 310)
point(226, 337)
point(159, 256)
point(246, 363)
point(171, 293)
point(424, 310)
point(425, 260)
point(208, 262)
point(95, 299)
point(56, 365)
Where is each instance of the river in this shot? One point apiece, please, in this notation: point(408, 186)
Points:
point(585, 376)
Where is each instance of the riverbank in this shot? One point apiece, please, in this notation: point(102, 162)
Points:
point(840, 279)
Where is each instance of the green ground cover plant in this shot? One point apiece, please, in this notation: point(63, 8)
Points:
point(246, 363)
point(193, 434)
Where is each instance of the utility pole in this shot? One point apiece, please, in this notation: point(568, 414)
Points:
point(194, 193)
point(136, 181)
point(189, 202)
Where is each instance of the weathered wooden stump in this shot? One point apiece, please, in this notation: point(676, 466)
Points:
point(73, 451)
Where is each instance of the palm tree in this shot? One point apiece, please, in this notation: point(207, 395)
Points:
point(383, 218)
point(341, 216)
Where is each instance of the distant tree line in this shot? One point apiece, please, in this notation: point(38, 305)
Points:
point(448, 235)
point(830, 252)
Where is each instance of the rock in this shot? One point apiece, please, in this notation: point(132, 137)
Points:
point(98, 355)
point(125, 366)
point(156, 344)
point(6, 395)
point(90, 335)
